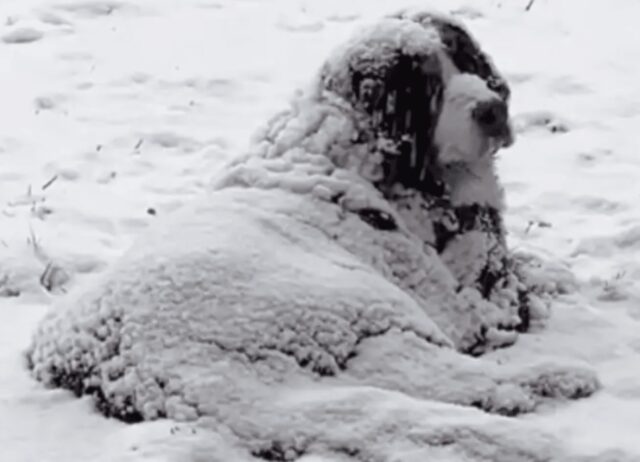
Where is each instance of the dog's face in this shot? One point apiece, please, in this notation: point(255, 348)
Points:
point(422, 109)
point(473, 122)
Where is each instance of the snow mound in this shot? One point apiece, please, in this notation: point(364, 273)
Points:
point(358, 246)
point(22, 35)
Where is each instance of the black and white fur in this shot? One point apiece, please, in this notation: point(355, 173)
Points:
point(435, 115)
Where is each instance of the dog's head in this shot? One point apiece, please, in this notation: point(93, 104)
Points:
point(427, 94)
point(473, 121)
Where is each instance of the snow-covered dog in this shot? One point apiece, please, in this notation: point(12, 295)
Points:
point(436, 115)
point(359, 243)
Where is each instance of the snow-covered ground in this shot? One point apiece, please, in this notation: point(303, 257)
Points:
point(113, 113)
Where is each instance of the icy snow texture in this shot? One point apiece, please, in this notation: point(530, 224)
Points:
point(297, 272)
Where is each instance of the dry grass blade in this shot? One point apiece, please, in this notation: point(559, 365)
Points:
point(50, 182)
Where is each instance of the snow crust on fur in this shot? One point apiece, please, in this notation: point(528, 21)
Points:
point(310, 151)
point(233, 308)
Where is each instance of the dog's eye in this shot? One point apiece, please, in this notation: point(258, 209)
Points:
point(378, 219)
point(499, 87)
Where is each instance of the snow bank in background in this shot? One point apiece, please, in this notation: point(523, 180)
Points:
point(295, 309)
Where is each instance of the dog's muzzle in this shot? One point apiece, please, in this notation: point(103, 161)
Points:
point(492, 117)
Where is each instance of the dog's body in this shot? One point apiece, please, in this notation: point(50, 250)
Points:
point(359, 242)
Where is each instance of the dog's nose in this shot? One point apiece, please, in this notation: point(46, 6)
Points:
point(493, 118)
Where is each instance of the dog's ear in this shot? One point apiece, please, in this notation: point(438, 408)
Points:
point(462, 49)
point(409, 113)
point(399, 89)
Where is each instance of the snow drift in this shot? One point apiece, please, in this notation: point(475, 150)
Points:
point(333, 286)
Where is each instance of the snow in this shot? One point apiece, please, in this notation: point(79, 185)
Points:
point(121, 112)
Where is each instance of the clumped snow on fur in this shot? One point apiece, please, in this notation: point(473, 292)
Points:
point(123, 131)
point(206, 317)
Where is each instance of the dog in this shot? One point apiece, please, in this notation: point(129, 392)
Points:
point(358, 243)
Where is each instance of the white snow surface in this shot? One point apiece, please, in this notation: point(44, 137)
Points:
point(116, 113)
